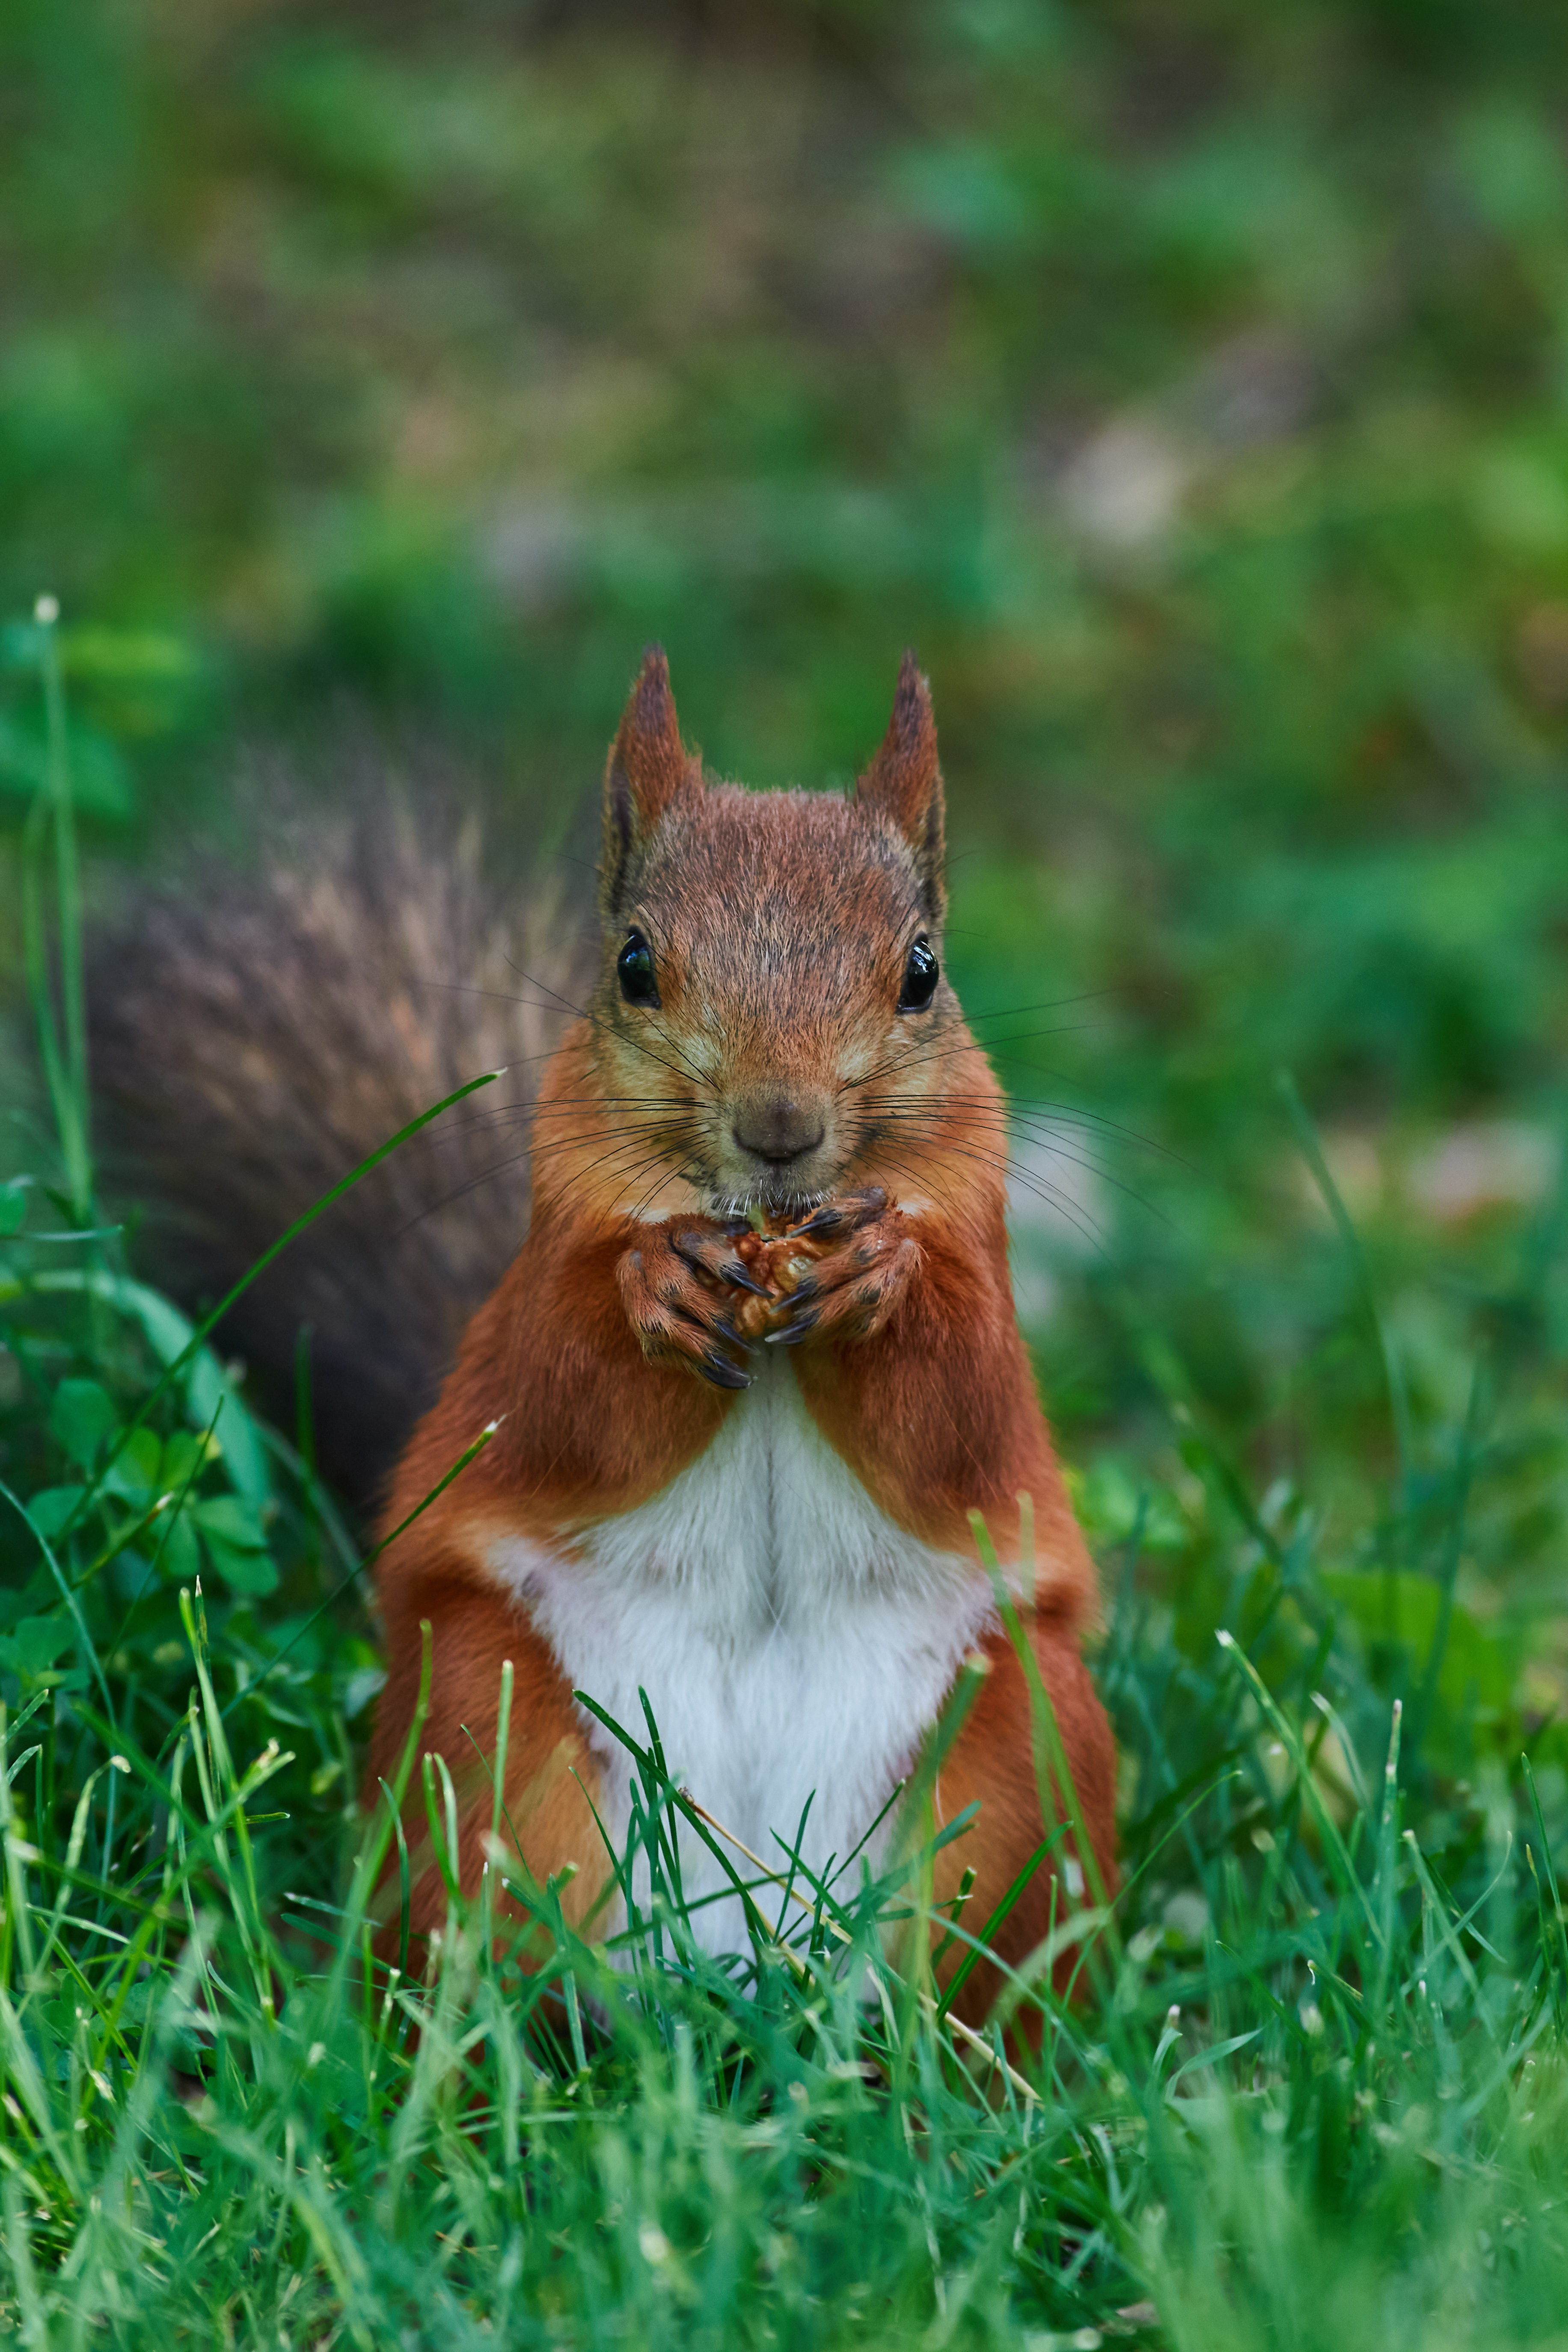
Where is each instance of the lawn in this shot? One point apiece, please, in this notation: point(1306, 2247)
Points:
point(1187, 384)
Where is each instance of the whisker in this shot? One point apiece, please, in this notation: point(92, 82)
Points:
point(581, 1175)
point(459, 1193)
point(635, 1174)
point(593, 1022)
point(1018, 1175)
point(1045, 1136)
point(938, 1181)
point(1076, 1159)
point(1091, 1232)
point(682, 1056)
point(630, 1102)
point(1041, 1106)
point(1002, 1112)
point(534, 1156)
point(511, 1113)
point(1037, 1106)
point(1071, 1138)
point(1051, 1005)
point(912, 1130)
point(552, 1144)
point(669, 1140)
point(499, 996)
point(915, 1056)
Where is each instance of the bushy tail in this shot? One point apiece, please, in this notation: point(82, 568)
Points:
point(252, 1040)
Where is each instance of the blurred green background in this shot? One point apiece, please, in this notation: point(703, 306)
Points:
point(1187, 383)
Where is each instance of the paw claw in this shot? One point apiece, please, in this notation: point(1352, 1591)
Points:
point(790, 1334)
point(855, 1208)
point(826, 1219)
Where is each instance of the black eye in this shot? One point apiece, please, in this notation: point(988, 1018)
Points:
point(634, 965)
point(920, 975)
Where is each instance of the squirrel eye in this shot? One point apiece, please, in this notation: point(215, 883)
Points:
point(634, 966)
point(920, 975)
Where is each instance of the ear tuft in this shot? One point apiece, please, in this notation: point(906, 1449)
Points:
point(648, 766)
point(903, 782)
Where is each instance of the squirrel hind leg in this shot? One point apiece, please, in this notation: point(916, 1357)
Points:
point(992, 1761)
point(549, 1772)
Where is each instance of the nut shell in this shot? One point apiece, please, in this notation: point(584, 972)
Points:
point(780, 1260)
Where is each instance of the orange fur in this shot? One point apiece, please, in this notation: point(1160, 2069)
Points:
point(992, 1763)
point(778, 927)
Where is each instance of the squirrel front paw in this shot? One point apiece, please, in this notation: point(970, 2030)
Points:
point(679, 1286)
point(862, 1260)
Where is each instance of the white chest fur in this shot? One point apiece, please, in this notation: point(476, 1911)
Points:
point(793, 1642)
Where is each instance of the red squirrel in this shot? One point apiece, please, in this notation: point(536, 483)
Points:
point(733, 1468)
point(737, 1471)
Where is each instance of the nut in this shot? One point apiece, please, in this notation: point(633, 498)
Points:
point(780, 1261)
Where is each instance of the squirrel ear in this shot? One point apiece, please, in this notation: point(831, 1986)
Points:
point(648, 766)
point(904, 782)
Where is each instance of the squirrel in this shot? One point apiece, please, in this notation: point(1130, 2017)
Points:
point(753, 1366)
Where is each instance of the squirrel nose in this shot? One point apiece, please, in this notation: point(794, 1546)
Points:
point(776, 1126)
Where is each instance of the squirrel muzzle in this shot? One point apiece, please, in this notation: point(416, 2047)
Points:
point(779, 1131)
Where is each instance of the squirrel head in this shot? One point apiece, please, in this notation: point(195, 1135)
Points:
point(771, 1002)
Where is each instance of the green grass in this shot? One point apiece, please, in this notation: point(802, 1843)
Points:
point(355, 363)
point(1312, 2090)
